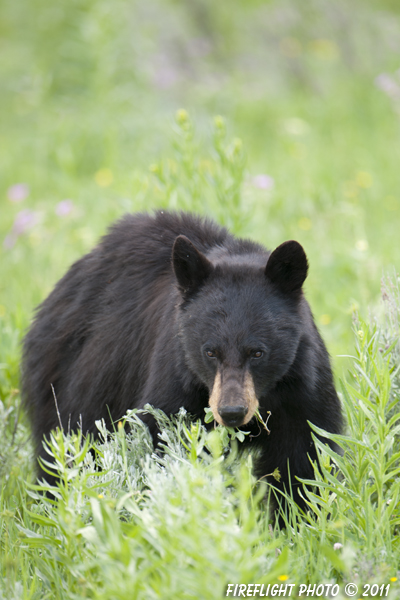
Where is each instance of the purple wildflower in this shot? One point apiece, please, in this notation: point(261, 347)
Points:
point(166, 74)
point(18, 192)
point(64, 208)
point(9, 241)
point(263, 182)
point(387, 84)
point(24, 221)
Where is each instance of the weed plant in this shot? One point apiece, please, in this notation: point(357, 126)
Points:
point(125, 521)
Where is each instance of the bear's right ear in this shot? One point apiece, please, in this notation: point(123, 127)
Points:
point(287, 267)
point(191, 267)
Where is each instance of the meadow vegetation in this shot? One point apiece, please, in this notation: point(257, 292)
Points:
point(281, 121)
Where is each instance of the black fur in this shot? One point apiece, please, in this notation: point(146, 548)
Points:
point(130, 324)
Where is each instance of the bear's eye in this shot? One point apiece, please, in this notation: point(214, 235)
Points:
point(257, 354)
point(210, 354)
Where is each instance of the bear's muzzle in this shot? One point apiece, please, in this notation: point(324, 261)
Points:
point(233, 399)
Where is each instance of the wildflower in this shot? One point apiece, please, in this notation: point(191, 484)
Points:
point(283, 577)
point(206, 166)
point(104, 177)
point(353, 308)
point(237, 146)
point(182, 116)
point(363, 179)
point(350, 189)
point(325, 319)
point(165, 73)
point(362, 245)
point(263, 182)
point(393, 579)
point(24, 221)
point(18, 192)
point(64, 207)
point(9, 241)
point(337, 546)
point(305, 223)
point(276, 474)
point(219, 122)
point(387, 84)
point(324, 49)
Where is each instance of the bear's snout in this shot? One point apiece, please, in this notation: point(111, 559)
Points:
point(233, 399)
point(233, 416)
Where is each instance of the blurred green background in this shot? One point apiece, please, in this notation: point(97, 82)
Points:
point(307, 146)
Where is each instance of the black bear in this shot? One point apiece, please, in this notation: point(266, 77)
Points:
point(173, 311)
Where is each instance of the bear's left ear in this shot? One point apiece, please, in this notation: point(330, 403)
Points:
point(287, 267)
point(191, 267)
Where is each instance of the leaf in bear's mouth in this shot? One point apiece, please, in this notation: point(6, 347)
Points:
point(235, 431)
point(209, 415)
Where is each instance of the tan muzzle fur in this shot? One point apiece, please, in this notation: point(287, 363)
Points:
point(248, 396)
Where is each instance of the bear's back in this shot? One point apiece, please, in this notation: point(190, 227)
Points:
point(152, 237)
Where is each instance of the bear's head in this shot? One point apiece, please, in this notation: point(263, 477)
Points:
point(240, 322)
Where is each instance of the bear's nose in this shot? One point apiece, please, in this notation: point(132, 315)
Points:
point(233, 416)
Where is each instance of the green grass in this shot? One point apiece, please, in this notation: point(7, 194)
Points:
point(115, 107)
